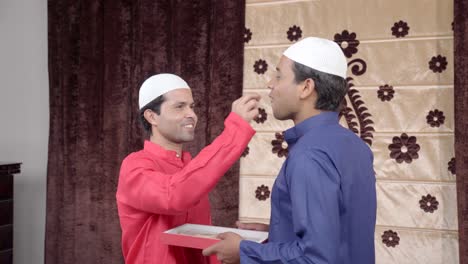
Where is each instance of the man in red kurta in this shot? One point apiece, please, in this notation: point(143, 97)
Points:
point(161, 187)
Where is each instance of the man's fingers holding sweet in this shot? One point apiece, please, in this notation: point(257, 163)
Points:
point(251, 104)
point(253, 113)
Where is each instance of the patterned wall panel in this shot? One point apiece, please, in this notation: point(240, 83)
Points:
point(430, 163)
point(417, 205)
point(417, 63)
point(261, 159)
point(401, 245)
point(255, 198)
point(400, 69)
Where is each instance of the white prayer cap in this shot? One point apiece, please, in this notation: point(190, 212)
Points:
point(319, 54)
point(157, 85)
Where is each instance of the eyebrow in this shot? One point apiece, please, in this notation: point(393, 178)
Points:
point(183, 103)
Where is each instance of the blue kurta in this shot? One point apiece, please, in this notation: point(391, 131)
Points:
point(323, 203)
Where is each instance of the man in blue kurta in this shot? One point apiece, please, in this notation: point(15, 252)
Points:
point(323, 204)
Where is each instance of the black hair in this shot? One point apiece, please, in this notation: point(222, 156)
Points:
point(331, 89)
point(154, 106)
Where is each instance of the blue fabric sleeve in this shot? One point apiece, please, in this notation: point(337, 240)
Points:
point(314, 188)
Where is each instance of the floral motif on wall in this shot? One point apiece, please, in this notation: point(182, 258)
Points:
point(280, 147)
point(360, 122)
point(438, 63)
point(356, 114)
point(390, 238)
point(358, 66)
point(294, 33)
point(451, 166)
point(404, 148)
point(385, 92)
point(349, 116)
point(400, 29)
point(246, 152)
point(247, 35)
point(260, 66)
point(261, 117)
point(435, 118)
point(347, 42)
point(428, 203)
point(262, 193)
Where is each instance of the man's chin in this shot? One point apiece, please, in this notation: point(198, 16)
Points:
point(188, 138)
point(280, 117)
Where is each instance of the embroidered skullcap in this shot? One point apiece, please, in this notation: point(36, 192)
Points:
point(158, 85)
point(319, 54)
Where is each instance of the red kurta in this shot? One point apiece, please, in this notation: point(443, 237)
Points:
point(158, 191)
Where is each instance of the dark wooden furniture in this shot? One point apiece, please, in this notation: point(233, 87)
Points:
point(7, 169)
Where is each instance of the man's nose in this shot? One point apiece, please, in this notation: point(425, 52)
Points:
point(190, 113)
point(270, 84)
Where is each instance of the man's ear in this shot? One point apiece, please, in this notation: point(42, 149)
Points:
point(151, 117)
point(307, 88)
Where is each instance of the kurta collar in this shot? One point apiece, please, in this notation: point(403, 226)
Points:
point(293, 134)
point(168, 155)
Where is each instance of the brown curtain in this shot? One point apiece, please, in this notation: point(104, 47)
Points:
point(99, 54)
point(461, 121)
